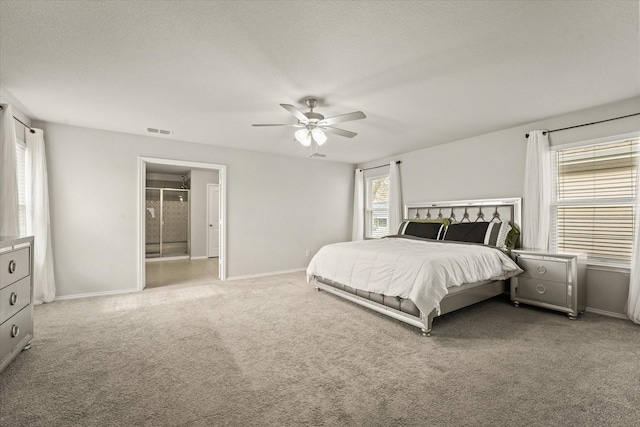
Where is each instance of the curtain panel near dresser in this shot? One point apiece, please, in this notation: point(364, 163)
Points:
point(395, 198)
point(38, 218)
point(9, 223)
point(536, 212)
point(633, 303)
point(357, 229)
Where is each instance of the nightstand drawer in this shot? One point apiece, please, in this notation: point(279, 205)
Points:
point(14, 298)
point(14, 266)
point(15, 330)
point(542, 291)
point(543, 269)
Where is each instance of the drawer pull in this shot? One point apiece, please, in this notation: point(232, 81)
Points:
point(12, 267)
point(15, 331)
point(541, 289)
point(541, 269)
point(13, 298)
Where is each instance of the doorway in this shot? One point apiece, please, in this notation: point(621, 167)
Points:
point(213, 220)
point(166, 164)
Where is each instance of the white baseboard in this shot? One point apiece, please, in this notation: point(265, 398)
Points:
point(97, 294)
point(607, 313)
point(273, 273)
point(199, 257)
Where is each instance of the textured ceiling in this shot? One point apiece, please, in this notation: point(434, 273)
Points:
point(425, 73)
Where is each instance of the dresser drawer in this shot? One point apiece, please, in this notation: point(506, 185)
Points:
point(543, 269)
point(15, 330)
point(554, 293)
point(14, 266)
point(14, 298)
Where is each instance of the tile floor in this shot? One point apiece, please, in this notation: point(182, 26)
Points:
point(181, 272)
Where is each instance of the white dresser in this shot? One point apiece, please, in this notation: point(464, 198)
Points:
point(16, 297)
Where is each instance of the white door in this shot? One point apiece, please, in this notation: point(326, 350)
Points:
point(213, 217)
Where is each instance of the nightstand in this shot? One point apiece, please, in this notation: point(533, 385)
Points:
point(16, 297)
point(554, 280)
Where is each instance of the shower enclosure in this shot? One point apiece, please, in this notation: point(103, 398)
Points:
point(167, 228)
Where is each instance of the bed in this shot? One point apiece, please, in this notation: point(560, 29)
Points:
point(446, 256)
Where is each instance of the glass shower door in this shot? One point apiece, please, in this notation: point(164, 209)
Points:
point(175, 222)
point(153, 225)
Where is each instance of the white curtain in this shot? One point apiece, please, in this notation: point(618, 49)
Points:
point(358, 206)
point(536, 213)
point(38, 226)
point(395, 198)
point(633, 304)
point(8, 174)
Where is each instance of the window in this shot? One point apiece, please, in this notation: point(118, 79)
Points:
point(377, 210)
point(21, 148)
point(595, 190)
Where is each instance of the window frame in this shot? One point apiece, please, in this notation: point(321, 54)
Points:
point(619, 265)
point(368, 209)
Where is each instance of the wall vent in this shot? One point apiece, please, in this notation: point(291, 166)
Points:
point(159, 131)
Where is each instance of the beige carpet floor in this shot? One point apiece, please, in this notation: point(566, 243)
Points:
point(274, 352)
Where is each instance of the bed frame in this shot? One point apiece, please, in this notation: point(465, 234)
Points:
point(509, 209)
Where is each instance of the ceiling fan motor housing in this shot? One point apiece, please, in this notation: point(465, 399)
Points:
point(313, 117)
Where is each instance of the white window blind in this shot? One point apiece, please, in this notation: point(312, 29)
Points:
point(592, 211)
point(377, 207)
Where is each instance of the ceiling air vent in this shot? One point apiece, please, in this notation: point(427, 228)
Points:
point(159, 131)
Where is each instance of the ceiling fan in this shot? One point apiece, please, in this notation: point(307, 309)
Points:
point(312, 126)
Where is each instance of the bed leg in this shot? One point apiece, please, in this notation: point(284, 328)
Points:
point(428, 322)
point(318, 289)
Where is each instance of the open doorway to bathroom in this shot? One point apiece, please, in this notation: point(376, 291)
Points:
point(167, 217)
point(177, 224)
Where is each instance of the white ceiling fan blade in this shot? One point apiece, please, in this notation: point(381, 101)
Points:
point(337, 131)
point(296, 113)
point(356, 115)
point(294, 126)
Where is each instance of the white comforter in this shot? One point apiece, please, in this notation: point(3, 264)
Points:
point(421, 270)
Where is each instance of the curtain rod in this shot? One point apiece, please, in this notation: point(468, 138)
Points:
point(586, 124)
point(23, 123)
point(381, 166)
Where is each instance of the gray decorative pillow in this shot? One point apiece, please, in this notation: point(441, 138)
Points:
point(499, 230)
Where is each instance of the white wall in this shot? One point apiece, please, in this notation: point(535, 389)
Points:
point(492, 165)
point(277, 206)
point(199, 223)
point(19, 111)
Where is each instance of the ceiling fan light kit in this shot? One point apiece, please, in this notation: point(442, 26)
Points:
point(318, 136)
point(314, 125)
point(303, 136)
